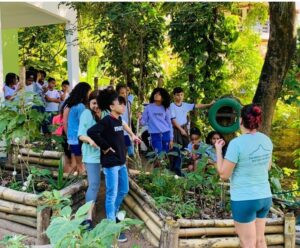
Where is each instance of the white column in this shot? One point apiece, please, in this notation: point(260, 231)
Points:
point(72, 52)
point(1, 64)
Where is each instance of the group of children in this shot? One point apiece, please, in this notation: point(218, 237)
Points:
point(37, 87)
point(96, 126)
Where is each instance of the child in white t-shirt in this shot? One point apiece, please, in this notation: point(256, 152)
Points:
point(179, 113)
point(10, 87)
point(64, 92)
point(52, 97)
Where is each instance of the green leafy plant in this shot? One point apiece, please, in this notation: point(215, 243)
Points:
point(66, 230)
point(60, 181)
point(53, 200)
point(16, 241)
point(19, 123)
point(198, 194)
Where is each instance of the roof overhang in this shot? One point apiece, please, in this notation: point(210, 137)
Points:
point(28, 14)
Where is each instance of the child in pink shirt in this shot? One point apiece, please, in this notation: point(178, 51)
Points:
point(58, 121)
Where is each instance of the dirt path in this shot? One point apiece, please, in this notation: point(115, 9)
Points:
point(134, 236)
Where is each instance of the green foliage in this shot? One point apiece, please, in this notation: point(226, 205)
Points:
point(132, 34)
point(183, 197)
point(44, 177)
point(44, 47)
point(275, 176)
point(291, 86)
point(258, 13)
point(280, 176)
point(54, 200)
point(65, 230)
point(15, 241)
point(201, 34)
point(244, 65)
point(19, 123)
point(15, 185)
point(60, 182)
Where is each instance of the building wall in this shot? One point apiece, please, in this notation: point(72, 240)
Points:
point(10, 51)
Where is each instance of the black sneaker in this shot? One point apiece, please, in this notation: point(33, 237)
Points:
point(88, 225)
point(122, 238)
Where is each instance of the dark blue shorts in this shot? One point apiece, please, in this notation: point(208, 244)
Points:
point(76, 149)
point(160, 142)
point(248, 211)
point(127, 140)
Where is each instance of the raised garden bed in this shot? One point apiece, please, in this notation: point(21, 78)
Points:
point(19, 210)
point(164, 231)
point(45, 159)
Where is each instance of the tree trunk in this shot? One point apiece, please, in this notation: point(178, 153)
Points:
point(192, 79)
point(281, 47)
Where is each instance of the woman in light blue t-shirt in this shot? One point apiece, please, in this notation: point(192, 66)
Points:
point(247, 162)
point(90, 151)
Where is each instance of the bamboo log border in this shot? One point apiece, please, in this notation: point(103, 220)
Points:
point(188, 223)
point(25, 220)
point(30, 240)
point(289, 231)
point(40, 160)
point(274, 239)
point(17, 208)
point(43, 154)
point(145, 231)
point(18, 211)
point(222, 231)
point(18, 228)
point(40, 166)
point(199, 233)
point(17, 196)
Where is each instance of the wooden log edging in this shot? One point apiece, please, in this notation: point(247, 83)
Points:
point(158, 221)
point(43, 221)
point(18, 197)
point(40, 166)
point(30, 240)
point(16, 208)
point(40, 160)
point(200, 233)
point(220, 242)
point(222, 231)
point(26, 220)
point(136, 209)
point(43, 154)
point(170, 234)
point(289, 231)
point(145, 231)
point(221, 223)
point(73, 188)
point(18, 228)
point(18, 211)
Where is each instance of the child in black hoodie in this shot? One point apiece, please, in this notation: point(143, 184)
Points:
point(108, 134)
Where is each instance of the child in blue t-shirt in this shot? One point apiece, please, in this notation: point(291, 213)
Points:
point(90, 152)
point(74, 106)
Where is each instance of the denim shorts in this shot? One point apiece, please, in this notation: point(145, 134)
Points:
point(247, 211)
point(76, 149)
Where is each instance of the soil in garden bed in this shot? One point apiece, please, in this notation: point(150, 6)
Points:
point(186, 197)
point(134, 235)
